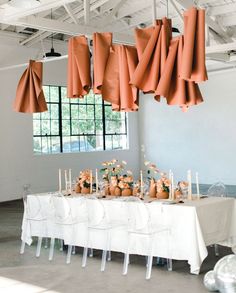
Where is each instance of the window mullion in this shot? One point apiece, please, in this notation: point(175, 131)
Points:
point(60, 120)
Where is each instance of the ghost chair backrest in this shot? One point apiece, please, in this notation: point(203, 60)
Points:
point(218, 189)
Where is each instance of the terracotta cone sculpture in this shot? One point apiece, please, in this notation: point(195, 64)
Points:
point(79, 79)
point(29, 94)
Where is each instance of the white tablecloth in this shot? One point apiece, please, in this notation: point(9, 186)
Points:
point(193, 225)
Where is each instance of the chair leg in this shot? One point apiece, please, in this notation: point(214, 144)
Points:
point(149, 267)
point(84, 259)
point(126, 263)
point(68, 257)
point(39, 244)
point(51, 250)
point(61, 245)
point(22, 247)
point(73, 250)
point(109, 256)
point(90, 252)
point(169, 264)
point(216, 247)
point(46, 243)
point(104, 257)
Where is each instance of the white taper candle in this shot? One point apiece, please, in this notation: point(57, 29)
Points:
point(141, 182)
point(96, 180)
point(189, 185)
point(70, 182)
point(59, 174)
point(91, 181)
point(197, 185)
point(66, 180)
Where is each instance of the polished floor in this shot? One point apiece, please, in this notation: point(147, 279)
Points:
point(28, 274)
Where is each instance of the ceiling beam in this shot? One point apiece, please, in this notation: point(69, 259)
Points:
point(78, 12)
point(222, 9)
point(124, 11)
point(55, 26)
point(45, 5)
point(70, 13)
point(221, 48)
point(228, 20)
point(213, 24)
point(86, 11)
point(110, 17)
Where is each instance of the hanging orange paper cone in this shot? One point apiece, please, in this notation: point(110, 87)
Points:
point(101, 49)
point(29, 93)
point(79, 79)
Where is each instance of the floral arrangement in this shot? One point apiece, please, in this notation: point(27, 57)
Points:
point(114, 173)
point(112, 169)
point(84, 179)
point(163, 184)
point(182, 185)
point(126, 181)
point(152, 169)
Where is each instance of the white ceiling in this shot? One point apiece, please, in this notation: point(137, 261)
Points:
point(34, 25)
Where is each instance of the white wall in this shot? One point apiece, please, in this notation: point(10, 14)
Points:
point(203, 139)
point(18, 164)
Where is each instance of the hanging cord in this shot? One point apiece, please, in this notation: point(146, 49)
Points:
point(167, 8)
point(52, 33)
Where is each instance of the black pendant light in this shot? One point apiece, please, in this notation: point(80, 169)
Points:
point(52, 52)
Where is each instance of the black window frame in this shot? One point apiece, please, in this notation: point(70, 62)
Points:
point(80, 102)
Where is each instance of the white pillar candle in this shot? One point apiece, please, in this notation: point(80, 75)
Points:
point(141, 183)
point(96, 180)
point(91, 181)
point(189, 185)
point(59, 177)
point(197, 185)
point(70, 182)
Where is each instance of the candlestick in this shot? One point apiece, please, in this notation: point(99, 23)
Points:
point(70, 182)
point(96, 180)
point(141, 183)
point(91, 181)
point(59, 174)
point(197, 185)
point(189, 185)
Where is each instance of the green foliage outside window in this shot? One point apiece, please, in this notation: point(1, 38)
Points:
point(75, 125)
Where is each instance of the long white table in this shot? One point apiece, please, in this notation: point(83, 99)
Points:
point(194, 225)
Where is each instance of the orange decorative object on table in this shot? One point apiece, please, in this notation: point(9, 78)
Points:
point(79, 78)
point(29, 94)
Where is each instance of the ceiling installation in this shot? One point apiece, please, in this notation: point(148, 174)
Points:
point(31, 19)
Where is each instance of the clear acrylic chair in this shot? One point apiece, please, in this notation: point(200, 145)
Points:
point(64, 221)
point(99, 219)
point(140, 223)
point(35, 214)
point(218, 189)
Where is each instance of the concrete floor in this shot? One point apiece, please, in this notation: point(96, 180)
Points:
point(27, 274)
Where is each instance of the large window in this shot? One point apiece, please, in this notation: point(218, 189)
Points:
point(77, 125)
